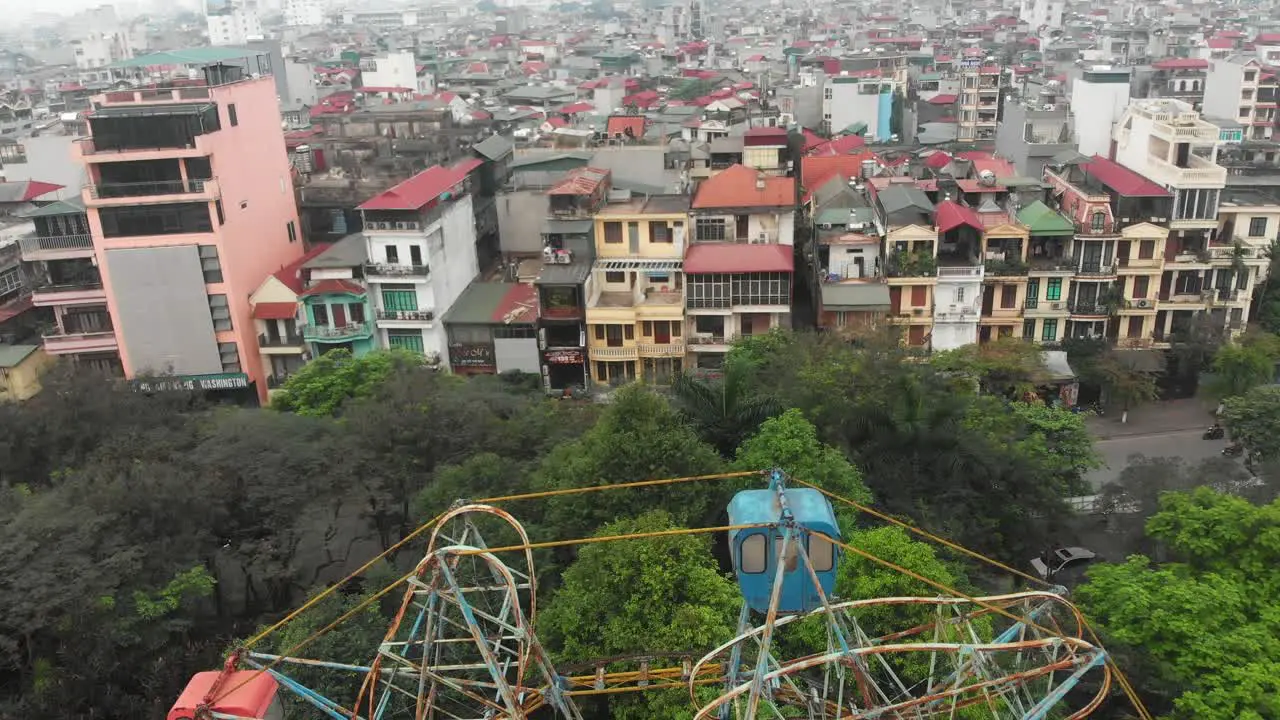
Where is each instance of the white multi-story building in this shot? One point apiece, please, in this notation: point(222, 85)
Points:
point(1098, 98)
point(395, 70)
point(1239, 88)
point(304, 13)
point(979, 99)
point(232, 22)
point(1042, 13)
point(421, 244)
point(853, 98)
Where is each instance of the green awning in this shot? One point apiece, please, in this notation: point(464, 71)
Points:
point(190, 56)
point(70, 206)
point(1044, 220)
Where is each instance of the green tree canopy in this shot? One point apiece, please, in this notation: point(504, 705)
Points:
point(323, 385)
point(1238, 368)
point(725, 409)
point(1202, 632)
point(1254, 420)
point(1007, 366)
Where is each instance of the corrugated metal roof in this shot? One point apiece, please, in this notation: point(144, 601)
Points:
point(189, 56)
point(13, 355)
point(855, 296)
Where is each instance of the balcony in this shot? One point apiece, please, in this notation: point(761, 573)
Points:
point(153, 96)
point(402, 318)
point(1096, 270)
point(614, 353)
point(70, 292)
point(55, 247)
point(60, 342)
point(87, 151)
point(960, 273)
point(1037, 307)
point(1201, 173)
point(148, 193)
point(280, 344)
point(661, 350)
point(956, 313)
point(708, 343)
point(1088, 308)
point(396, 271)
point(343, 333)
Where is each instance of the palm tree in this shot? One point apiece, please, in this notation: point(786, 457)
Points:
point(725, 410)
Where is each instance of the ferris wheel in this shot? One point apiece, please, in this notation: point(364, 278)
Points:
point(462, 644)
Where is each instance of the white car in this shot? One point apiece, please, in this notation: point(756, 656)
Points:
point(1061, 558)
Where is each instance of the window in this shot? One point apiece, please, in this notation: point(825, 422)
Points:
point(1050, 332)
point(754, 552)
point(1135, 326)
point(1098, 222)
point(599, 331)
point(1028, 330)
point(217, 207)
point(633, 233)
point(415, 255)
point(10, 280)
point(392, 254)
point(320, 315)
point(229, 354)
point(232, 117)
point(615, 277)
point(662, 331)
point(1257, 227)
point(399, 298)
point(821, 554)
point(293, 231)
point(141, 220)
point(210, 264)
point(660, 232)
point(629, 332)
point(515, 332)
point(959, 295)
point(1146, 249)
point(613, 233)
point(1141, 285)
point(919, 294)
point(356, 312)
point(613, 335)
point(1008, 296)
point(410, 340)
point(1053, 289)
point(220, 313)
point(708, 229)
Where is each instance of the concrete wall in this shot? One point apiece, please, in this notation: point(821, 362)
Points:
point(520, 218)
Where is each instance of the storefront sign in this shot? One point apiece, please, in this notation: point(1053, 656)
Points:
point(179, 383)
point(566, 356)
point(471, 355)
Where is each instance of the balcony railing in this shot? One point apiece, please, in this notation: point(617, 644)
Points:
point(662, 350)
point(414, 315)
point(960, 272)
point(62, 342)
point(154, 95)
point(31, 244)
point(110, 191)
point(562, 312)
point(615, 353)
point(707, 340)
point(395, 270)
point(1096, 269)
point(1087, 307)
point(1089, 229)
point(955, 313)
point(326, 333)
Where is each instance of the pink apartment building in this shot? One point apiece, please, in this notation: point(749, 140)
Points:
point(189, 205)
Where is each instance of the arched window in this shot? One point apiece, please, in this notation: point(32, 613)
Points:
point(1099, 221)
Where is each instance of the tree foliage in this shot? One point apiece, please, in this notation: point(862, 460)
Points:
point(1254, 420)
point(1007, 366)
point(1203, 631)
point(323, 385)
point(1240, 367)
point(724, 409)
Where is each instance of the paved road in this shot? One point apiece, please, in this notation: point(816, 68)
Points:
point(1186, 444)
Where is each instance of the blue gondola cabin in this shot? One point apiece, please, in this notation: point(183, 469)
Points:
point(755, 550)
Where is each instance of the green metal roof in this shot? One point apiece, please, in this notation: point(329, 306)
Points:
point(190, 56)
point(855, 296)
point(70, 206)
point(13, 355)
point(1044, 220)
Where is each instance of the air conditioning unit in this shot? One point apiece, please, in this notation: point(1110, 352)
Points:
point(761, 239)
point(826, 226)
point(401, 225)
point(383, 225)
point(1055, 306)
point(1143, 303)
point(918, 312)
point(411, 225)
point(1125, 219)
point(1159, 219)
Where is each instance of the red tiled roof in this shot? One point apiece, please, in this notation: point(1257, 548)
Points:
point(34, 189)
point(464, 167)
point(416, 192)
point(944, 99)
point(738, 186)
point(737, 258)
point(291, 275)
point(519, 305)
point(937, 160)
point(384, 89)
point(275, 310)
point(1001, 167)
point(15, 308)
point(950, 214)
point(974, 185)
point(331, 286)
point(811, 139)
point(1220, 43)
point(842, 145)
point(1267, 38)
point(1121, 179)
point(625, 125)
point(557, 122)
point(581, 181)
point(817, 169)
point(578, 107)
point(755, 58)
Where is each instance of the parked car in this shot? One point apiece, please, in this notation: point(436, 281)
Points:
point(1057, 560)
